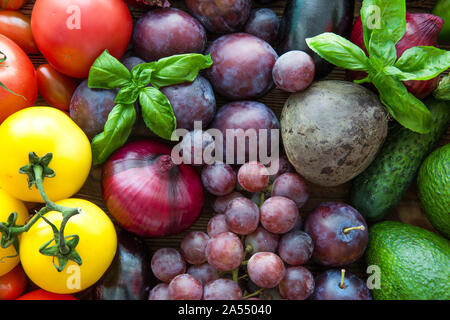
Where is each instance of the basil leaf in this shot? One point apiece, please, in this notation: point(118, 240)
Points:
point(127, 95)
point(402, 105)
point(108, 73)
point(179, 68)
point(157, 112)
point(385, 18)
point(422, 63)
point(117, 129)
point(142, 74)
point(443, 90)
point(339, 51)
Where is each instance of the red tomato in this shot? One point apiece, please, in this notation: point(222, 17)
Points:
point(12, 4)
point(45, 295)
point(13, 284)
point(17, 27)
point(71, 34)
point(56, 88)
point(18, 75)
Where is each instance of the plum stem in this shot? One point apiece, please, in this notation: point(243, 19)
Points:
point(347, 230)
point(341, 284)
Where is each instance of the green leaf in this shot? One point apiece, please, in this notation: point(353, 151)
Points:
point(108, 73)
point(402, 105)
point(443, 90)
point(157, 112)
point(387, 20)
point(142, 74)
point(127, 95)
point(117, 129)
point(339, 51)
point(422, 63)
point(179, 68)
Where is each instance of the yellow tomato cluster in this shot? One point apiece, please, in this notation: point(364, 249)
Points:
point(45, 130)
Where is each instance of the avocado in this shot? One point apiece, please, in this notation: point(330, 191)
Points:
point(382, 185)
point(434, 189)
point(414, 263)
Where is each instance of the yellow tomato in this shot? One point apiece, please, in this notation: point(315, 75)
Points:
point(97, 247)
point(43, 130)
point(9, 205)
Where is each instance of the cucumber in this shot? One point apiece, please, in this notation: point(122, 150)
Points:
point(381, 186)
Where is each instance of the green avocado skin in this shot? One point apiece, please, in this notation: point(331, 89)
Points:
point(433, 184)
point(381, 186)
point(414, 263)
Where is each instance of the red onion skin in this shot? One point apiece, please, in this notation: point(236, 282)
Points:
point(147, 194)
point(422, 29)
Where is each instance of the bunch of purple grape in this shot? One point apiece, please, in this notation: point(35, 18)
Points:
point(255, 246)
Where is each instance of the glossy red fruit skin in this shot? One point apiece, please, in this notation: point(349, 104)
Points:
point(45, 295)
point(332, 247)
point(129, 183)
point(166, 32)
point(56, 88)
point(12, 4)
point(220, 16)
point(13, 284)
point(242, 66)
point(17, 27)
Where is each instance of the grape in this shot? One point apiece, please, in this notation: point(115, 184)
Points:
point(242, 66)
point(299, 224)
point(197, 147)
point(261, 241)
point(292, 186)
point(265, 269)
point(220, 16)
point(294, 71)
point(242, 216)
point(281, 165)
point(222, 289)
point(159, 292)
point(217, 225)
point(167, 263)
point(132, 62)
point(220, 203)
point(166, 32)
point(264, 24)
point(296, 248)
point(253, 176)
point(89, 108)
point(297, 284)
point(329, 286)
point(339, 233)
point(203, 272)
point(225, 252)
point(219, 178)
point(192, 102)
point(185, 287)
point(244, 116)
point(279, 214)
point(193, 247)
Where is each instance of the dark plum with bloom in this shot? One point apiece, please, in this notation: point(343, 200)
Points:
point(329, 286)
point(185, 287)
point(236, 118)
point(294, 71)
point(131, 62)
point(89, 108)
point(167, 263)
point(197, 148)
point(264, 24)
point(166, 32)
point(297, 284)
point(242, 66)
point(192, 102)
point(339, 234)
point(220, 16)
